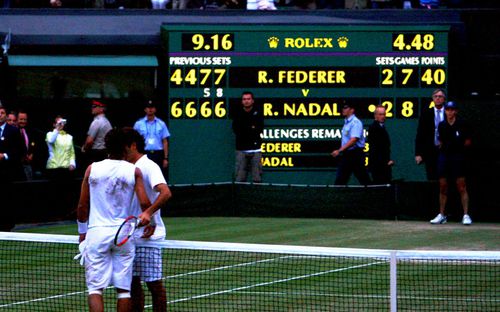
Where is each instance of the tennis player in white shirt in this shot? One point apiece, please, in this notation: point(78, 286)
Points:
point(148, 260)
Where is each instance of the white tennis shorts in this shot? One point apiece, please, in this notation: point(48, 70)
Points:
point(106, 264)
point(147, 264)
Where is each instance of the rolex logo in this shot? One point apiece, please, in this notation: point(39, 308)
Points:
point(342, 41)
point(273, 42)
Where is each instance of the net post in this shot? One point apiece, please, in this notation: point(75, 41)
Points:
point(393, 282)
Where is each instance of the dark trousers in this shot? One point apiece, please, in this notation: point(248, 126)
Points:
point(8, 221)
point(157, 156)
point(381, 174)
point(248, 162)
point(431, 164)
point(352, 161)
point(62, 191)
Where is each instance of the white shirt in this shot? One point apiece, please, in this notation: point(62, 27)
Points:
point(111, 185)
point(152, 176)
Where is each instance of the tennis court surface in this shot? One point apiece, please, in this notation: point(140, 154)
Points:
point(38, 273)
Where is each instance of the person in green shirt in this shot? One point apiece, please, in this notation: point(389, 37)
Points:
point(61, 149)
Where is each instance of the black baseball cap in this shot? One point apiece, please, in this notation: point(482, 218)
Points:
point(149, 103)
point(347, 105)
point(451, 105)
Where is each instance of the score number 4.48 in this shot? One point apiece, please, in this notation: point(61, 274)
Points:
point(416, 42)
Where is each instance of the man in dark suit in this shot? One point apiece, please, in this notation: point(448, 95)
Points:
point(33, 159)
point(11, 150)
point(379, 162)
point(426, 142)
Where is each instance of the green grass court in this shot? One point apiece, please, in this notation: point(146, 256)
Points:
point(234, 281)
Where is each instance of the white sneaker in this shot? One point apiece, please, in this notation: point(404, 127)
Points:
point(466, 220)
point(439, 219)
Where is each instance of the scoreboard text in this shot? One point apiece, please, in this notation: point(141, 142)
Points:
point(301, 77)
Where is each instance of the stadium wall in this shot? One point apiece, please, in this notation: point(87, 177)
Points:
point(474, 81)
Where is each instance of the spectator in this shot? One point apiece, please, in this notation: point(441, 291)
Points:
point(156, 135)
point(356, 4)
point(11, 151)
point(260, 5)
point(30, 139)
point(429, 4)
point(454, 140)
point(426, 141)
point(94, 145)
point(380, 162)
point(351, 149)
point(228, 4)
point(56, 3)
point(12, 118)
point(61, 160)
point(61, 166)
point(248, 124)
point(162, 4)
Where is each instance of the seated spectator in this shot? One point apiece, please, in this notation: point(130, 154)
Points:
point(162, 4)
point(260, 5)
point(356, 4)
point(429, 4)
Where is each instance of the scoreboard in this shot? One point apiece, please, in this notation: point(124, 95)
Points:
point(301, 76)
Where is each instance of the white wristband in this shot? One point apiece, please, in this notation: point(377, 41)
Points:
point(82, 227)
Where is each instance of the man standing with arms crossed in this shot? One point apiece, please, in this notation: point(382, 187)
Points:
point(106, 197)
point(148, 261)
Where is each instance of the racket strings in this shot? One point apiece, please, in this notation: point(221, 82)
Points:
point(126, 231)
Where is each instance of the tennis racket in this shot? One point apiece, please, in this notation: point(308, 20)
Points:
point(126, 230)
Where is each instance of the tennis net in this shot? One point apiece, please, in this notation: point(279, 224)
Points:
point(38, 273)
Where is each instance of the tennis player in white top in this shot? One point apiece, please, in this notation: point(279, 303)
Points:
point(107, 191)
point(148, 262)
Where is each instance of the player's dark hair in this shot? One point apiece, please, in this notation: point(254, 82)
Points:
point(247, 92)
point(115, 143)
point(132, 136)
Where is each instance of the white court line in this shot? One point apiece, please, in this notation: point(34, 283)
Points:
point(368, 296)
point(273, 282)
point(42, 299)
point(226, 267)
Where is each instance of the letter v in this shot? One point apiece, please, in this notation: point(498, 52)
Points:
point(305, 92)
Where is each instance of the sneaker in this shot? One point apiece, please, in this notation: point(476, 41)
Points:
point(439, 219)
point(466, 220)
